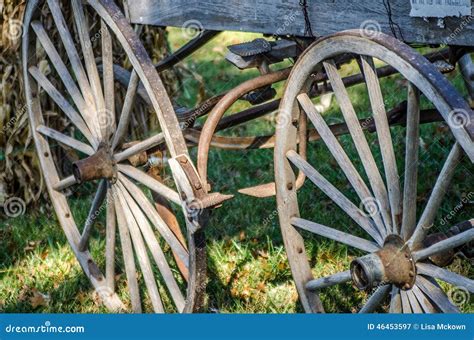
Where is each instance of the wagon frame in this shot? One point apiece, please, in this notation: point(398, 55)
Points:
point(141, 207)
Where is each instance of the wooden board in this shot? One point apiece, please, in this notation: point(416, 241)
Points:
point(286, 17)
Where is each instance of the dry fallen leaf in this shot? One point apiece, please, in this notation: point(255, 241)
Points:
point(39, 299)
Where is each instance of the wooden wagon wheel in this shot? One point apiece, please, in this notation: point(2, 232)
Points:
point(400, 261)
point(165, 272)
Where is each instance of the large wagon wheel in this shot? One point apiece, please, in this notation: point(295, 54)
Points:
point(400, 261)
point(165, 271)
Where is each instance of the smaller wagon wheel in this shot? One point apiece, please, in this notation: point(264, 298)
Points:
point(404, 257)
point(160, 249)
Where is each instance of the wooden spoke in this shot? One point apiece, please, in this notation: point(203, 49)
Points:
point(411, 162)
point(108, 78)
point(337, 197)
point(126, 113)
point(111, 229)
point(155, 250)
point(328, 281)
point(385, 140)
point(65, 140)
point(436, 295)
point(395, 300)
point(89, 59)
point(71, 51)
point(376, 299)
point(156, 220)
point(128, 256)
point(445, 275)
point(340, 155)
point(406, 307)
point(334, 234)
point(65, 183)
point(63, 104)
point(142, 254)
point(360, 141)
point(140, 147)
point(93, 214)
point(436, 197)
point(415, 306)
point(150, 182)
point(449, 243)
point(65, 76)
point(423, 300)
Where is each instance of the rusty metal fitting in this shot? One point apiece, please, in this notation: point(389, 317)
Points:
point(99, 165)
point(391, 264)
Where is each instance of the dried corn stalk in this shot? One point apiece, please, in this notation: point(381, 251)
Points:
point(19, 169)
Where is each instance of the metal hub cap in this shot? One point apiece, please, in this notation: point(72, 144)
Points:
point(99, 165)
point(391, 264)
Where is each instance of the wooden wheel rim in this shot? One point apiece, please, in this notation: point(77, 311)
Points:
point(118, 25)
point(409, 64)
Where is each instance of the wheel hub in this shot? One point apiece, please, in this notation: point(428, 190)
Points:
point(99, 165)
point(391, 264)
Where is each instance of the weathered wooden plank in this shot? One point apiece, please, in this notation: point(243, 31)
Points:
point(415, 306)
point(156, 220)
point(375, 299)
point(140, 147)
point(396, 301)
point(93, 214)
point(111, 230)
point(155, 249)
point(150, 182)
point(65, 183)
point(342, 201)
point(341, 157)
point(436, 295)
point(128, 256)
point(449, 243)
point(445, 275)
point(424, 302)
point(63, 104)
point(142, 254)
point(434, 202)
point(406, 307)
point(360, 142)
point(411, 162)
point(385, 140)
point(328, 281)
point(335, 235)
point(65, 140)
point(286, 17)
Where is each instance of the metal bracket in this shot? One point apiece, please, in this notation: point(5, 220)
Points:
point(197, 200)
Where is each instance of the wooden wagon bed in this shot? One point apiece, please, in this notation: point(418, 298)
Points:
point(284, 17)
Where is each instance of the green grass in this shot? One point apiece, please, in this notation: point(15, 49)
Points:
point(247, 266)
